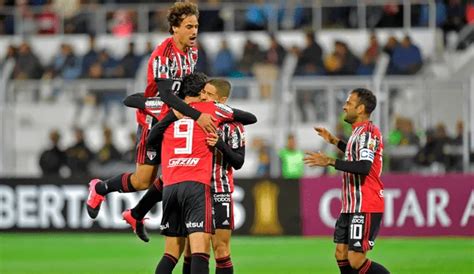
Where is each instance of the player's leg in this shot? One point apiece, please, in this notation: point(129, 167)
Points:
point(171, 227)
point(174, 246)
point(124, 182)
point(187, 258)
point(221, 247)
point(341, 238)
point(135, 216)
point(224, 221)
point(362, 233)
point(196, 200)
point(147, 159)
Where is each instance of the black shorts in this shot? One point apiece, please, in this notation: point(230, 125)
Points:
point(358, 230)
point(187, 208)
point(223, 210)
point(150, 155)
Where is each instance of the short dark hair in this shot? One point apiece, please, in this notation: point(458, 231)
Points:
point(222, 86)
point(193, 84)
point(366, 98)
point(178, 12)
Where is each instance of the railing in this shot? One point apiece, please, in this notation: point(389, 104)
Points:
point(232, 14)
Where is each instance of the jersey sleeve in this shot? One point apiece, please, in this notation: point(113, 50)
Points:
point(368, 145)
point(223, 113)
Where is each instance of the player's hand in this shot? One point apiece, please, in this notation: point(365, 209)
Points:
point(326, 135)
point(207, 122)
point(211, 139)
point(313, 159)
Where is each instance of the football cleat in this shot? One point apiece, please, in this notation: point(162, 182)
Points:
point(94, 200)
point(138, 226)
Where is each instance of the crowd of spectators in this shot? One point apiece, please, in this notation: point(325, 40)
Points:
point(78, 159)
point(44, 16)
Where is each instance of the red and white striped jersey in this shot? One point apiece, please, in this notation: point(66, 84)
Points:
point(222, 179)
point(363, 193)
point(167, 61)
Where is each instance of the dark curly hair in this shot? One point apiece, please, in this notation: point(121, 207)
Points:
point(193, 84)
point(178, 12)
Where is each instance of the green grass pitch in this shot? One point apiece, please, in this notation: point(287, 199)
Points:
point(124, 253)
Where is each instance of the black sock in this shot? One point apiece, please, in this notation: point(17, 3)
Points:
point(371, 267)
point(166, 264)
point(200, 263)
point(224, 265)
point(119, 183)
point(344, 266)
point(187, 265)
point(153, 195)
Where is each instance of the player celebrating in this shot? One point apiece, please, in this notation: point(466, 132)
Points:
point(172, 59)
point(187, 207)
point(362, 191)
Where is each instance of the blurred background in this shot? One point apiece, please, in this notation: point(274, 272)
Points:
point(65, 66)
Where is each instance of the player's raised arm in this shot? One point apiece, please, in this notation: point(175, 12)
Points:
point(167, 90)
point(328, 137)
point(244, 117)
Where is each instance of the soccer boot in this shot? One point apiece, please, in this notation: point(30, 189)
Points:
point(138, 226)
point(94, 200)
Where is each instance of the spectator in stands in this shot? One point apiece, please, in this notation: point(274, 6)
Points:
point(122, 23)
point(263, 152)
point(406, 58)
point(54, 158)
point(403, 135)
point(367, 65)
point(107, 63)
point(90, 57)
point(345, 62)
point(65, 65)
point(390, 46)
point(128, 66)
point(28, 23)
point(268, 70)
point(470, 12)
point(202, 62)
point(291, 159)
point(79, 156)
point(251, 55)
point(224, 63)
point(210, 18)
point(158, 21)
point(27, 65)
point(423, 19)
point(47, 21)
point(10, 56)
point(108, 153)
point(455, 19)
point(432, 154)
point(129, 155)
point(258, 15)
point(310, 60)
point(392, 16)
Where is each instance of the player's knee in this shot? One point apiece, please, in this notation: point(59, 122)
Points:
point(356, 260)
point(140, 182)
point(221, 249)
point(340, 254)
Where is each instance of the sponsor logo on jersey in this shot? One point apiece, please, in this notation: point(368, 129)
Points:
point(166, 226)
point(195, 224)
point(235, 140)
point(222, 198)
point(371, 243)
point(175, 162)
point(358, 219)
point(151, 154)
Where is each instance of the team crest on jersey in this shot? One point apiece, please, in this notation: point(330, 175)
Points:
point(372, 144)
point(163, 69)
point(151, 154)
point(173, 67)
point(235, 140)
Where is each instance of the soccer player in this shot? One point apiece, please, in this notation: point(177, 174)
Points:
point(172, 59)
point(187, 206)
point(362, 191)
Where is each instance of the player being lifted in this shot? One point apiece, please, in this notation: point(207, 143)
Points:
point(187, 168)
point(172, 59)
point(229, 153)
point(362, 190)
